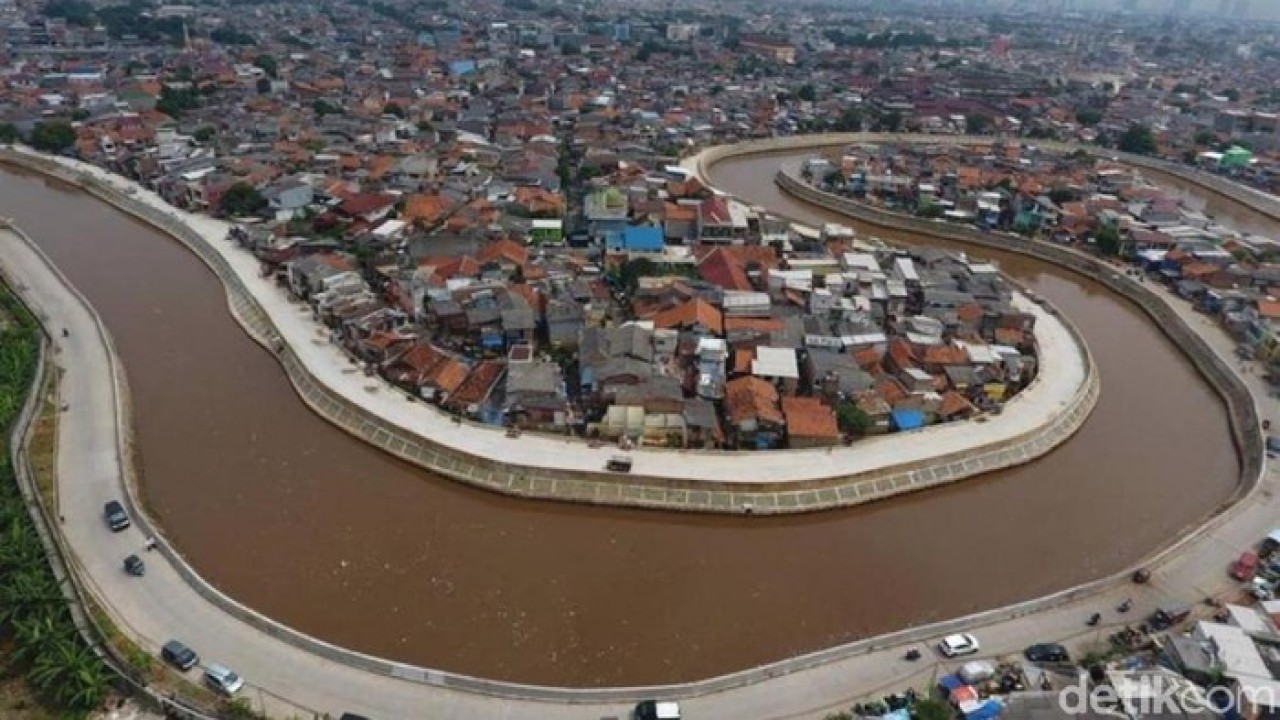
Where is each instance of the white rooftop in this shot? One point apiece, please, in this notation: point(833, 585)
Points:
point(861, 261)
point(776, 362)
point(1234, 650)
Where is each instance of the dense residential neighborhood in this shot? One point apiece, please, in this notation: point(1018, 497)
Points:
point(1097, 205)
point(488, 206)
point(714, 344)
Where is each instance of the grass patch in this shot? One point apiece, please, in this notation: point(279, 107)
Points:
point(45, 665)
point(42, 452)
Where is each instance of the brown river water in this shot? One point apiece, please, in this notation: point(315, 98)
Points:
point(312, 527)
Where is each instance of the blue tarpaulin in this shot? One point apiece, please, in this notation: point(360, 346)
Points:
point(950, 682)
point(908, 419)
point(903, 714)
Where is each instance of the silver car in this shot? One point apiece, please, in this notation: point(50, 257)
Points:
point(223, 679)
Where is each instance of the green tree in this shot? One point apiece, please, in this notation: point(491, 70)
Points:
point(205, 133)
point(978, 124)
point(263, 86)
point(1060, 195)
point(850, 120)
point(75, 12)
point(268, 65)
point(1137, 139)
point(241, 199)
point(647, 49)
point(230, 36)
point(851, 419)
point(53, 137)
point(174, 101)
point(393, 109)
point(8, 133)
point(1108, 241)
point(1089, 116)
point(931, 709)
point(629, 274)
point(1205, 138)
point(70, 673)
point(323, 107)
point(807, 93)
point(890, 121)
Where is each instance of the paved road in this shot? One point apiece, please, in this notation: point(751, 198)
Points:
point(161, 605)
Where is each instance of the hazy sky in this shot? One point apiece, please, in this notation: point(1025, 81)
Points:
point(1258, 9)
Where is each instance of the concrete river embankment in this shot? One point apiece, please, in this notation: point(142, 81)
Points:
point(307, 525)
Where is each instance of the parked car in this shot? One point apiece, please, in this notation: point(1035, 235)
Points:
point(351, 716)
point(179, 655)
point(1047, 652)
point(1245, 567)
point(223, 679)
point(1272, 541)
point(117, 519)
point(655, 710)
point(1262, 589)
point(959, 644)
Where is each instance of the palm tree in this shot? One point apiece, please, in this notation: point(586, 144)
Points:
point(32, 635)
point(70, 673)
point(21, 591)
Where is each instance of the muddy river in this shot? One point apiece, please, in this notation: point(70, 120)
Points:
point(312, 527)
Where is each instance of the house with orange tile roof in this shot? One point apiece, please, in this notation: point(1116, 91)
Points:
point(955, 407)
point(427, 211)
point(810, 423)
point(697, 316)
point(506, 253)
point(754, 416)
point(723, 268)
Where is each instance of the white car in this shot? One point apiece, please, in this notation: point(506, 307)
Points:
point(959, 644)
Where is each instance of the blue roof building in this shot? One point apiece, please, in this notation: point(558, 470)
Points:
point(907, 419)
point(462, 67)
point(636, 239)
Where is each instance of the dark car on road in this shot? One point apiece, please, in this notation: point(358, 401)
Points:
point(1047, 652)
point(656, 710)
point(117, 519)
point(179, 655)
point(352, 716)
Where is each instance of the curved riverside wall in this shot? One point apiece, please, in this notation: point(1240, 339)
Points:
point(1255, 200)
point(257, 324)
point(1241, 408)
point(470, 684)
point(592, 487)
point(761, 674)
